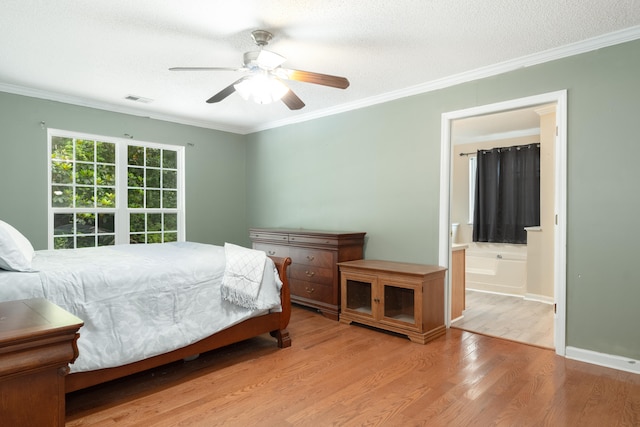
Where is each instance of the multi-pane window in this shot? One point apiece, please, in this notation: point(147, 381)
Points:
point(106, 191)
point(152, 184)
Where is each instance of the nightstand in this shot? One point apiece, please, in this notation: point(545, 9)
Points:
point(38, 340)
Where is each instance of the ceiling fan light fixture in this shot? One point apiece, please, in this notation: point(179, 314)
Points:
point(262, 82)
point(261, 89)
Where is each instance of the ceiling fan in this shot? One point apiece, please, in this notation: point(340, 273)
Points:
point(264, 74)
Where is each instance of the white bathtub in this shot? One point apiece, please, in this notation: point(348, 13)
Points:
point(497, 267)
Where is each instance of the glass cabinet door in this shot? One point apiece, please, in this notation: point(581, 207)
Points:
point(359, 296)
point(399, 304)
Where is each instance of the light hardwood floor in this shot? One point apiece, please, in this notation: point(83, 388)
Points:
point(508, 317)
point(346, 375)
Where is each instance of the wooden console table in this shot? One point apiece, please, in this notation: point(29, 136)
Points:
point(398, 297)
point(38, 340)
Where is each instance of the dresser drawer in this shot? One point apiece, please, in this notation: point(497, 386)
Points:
point(313, 291)
point(316, 257)
point(273, 250)
point(311, 273)
point(313, 240)
point(269, 237)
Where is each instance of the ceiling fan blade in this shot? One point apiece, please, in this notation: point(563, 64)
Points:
point(292, 101)
point(224, 92)
point(311, 77)
point(206, 69)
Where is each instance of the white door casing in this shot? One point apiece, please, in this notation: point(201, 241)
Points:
point(560, 198)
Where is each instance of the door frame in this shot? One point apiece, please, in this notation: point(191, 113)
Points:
point(560, 198)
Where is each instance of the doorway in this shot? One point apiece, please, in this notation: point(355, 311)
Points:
point(558, 225)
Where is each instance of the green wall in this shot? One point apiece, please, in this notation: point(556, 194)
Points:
point(215, 176)
point(377, 170)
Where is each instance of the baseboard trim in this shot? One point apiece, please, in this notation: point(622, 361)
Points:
point(457, 318)
point(494, 292)
point(539, 298)
point(607, 360)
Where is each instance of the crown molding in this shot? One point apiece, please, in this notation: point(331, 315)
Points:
point(91, 103)
point(606, 40)
point(584, 46)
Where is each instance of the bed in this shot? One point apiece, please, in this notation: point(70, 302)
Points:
point(147, 305)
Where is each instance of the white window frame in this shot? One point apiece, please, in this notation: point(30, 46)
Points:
point(121, 211)
point(473, 165)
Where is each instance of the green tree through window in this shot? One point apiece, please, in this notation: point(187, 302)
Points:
point(92, 205)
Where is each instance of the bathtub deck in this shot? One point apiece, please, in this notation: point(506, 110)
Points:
point(508, 317)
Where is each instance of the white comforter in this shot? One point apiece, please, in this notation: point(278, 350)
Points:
point(137, 301)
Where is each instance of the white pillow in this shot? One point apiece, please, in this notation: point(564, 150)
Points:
point(16, 252)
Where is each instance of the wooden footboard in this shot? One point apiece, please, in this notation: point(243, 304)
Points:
point(273, 323)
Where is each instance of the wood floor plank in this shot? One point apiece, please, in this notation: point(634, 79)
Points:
point(349, 375)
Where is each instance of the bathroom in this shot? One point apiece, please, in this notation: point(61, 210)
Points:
point(526, 270)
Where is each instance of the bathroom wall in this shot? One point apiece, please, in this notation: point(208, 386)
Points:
point(540, 240)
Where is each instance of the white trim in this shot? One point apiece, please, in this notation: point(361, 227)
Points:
point(504, 294)
point(527, 297)
point(121, 211)
point(538, 298)
point(588, 45)
point(560, 249)
point(471, 190)
point(498, 136)
point(92, 103)
point(571, 49)
point(444, 254)
point(560, 235)
point(603, 359)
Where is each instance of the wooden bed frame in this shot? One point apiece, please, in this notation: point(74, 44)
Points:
point(274, 323)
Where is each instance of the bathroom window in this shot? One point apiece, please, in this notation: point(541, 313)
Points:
point(472, 186)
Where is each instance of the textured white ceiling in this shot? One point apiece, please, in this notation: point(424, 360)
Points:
point(97, 52)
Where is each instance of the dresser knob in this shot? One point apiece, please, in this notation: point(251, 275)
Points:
point(310, 273)
point(310, 257)
point(309, 290)
point(272, 252)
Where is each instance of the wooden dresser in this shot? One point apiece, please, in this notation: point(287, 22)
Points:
point(37, 343)
point(313, 275)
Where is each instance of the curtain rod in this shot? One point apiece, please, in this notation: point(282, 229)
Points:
point(475, 152)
